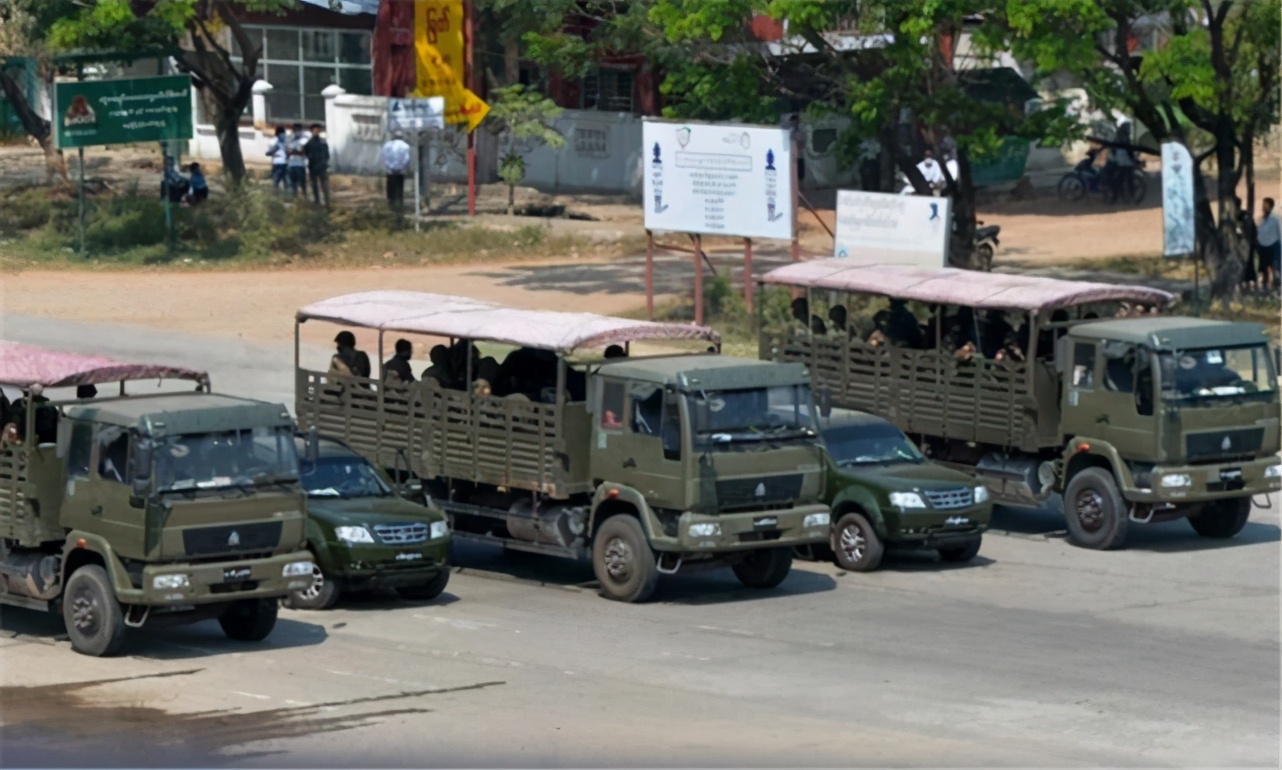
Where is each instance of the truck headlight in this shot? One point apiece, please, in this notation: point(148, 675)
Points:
point(169, 582)
point(816, 520)
point(907, 500)
point(1172, 480)
point(1273, 472)
point(981, 494)
point(297, 568)
point(439, 529)
point(705, 529)
point(353, 535)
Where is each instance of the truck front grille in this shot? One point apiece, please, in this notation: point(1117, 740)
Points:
point(1224, 444)
point(401, 534)
point(236, 538)
point(948, 499)
point(764, 491)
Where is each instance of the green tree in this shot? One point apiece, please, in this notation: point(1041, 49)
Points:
point(524, 119)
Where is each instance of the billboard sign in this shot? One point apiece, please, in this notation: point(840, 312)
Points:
point(889, 229)
point(1178, 232)
point(126, 111)
point(415, 115)
point(717, 179)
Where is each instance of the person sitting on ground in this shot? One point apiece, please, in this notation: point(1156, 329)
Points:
point(174, 185)
point(439, 372)
point(199, 187)
point(615, 351)
point(397, 368)
point(348, 360)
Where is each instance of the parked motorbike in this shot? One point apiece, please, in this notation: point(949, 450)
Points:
point(1085, 178)
point(986, 244)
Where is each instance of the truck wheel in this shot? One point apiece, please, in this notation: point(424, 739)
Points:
point(322, 594)
point(95, 621)
point(249, 620)
point(766, 568)
point(855, 544)
point(1095, 510)
point(1222, 518)
point(623, 561)
point(958, 554)
point(427, 591)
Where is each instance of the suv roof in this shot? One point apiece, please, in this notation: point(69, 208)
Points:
point(707, 371)
point(1172, 332)
point(179, 413)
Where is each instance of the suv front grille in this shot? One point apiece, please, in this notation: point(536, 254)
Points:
point(237, 538)
point(948, 499)
point(401, 534)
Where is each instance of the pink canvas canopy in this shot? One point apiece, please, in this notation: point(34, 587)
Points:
point(442, 315)
point(950, 286)
point(26, 365)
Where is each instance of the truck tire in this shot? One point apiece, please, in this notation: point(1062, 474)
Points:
point(322, 595)
point(622, 560)
point(766, 568)
point(249, 620)
point(1096, 513)
point(959, 554)
point(1222, 518)
point(428, 591)
point(95, 620)
point(855, 544)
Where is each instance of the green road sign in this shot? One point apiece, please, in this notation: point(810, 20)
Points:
point(126, 111)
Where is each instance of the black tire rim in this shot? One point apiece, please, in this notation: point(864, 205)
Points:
point(852, 543)
point(618, 559)
point(86, 612)
point(1090, 510)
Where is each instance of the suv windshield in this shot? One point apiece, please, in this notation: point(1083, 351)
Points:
point(345, 476)
point(1216, 373)
point(755, 414)
point(225, 459)
point(870, 444)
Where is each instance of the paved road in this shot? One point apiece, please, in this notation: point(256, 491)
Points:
point(1037, 654)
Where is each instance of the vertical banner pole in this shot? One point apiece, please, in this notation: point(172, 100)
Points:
point(83, 247)
point(467, 79)
point(418, 183)
point(747, 274)
point(796, 197)
point(649, 275)
point(698, 280)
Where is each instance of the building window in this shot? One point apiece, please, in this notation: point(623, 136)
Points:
point(301, 62)
point(608, 91)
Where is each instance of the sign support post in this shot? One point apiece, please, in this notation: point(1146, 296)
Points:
point(649, 275)
point(698, 280)
point(418, 185)
point(468, 77)
point(796, 197)
point(747, 274)
point(83, 247)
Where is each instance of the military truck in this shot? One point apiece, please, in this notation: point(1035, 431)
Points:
point(1133, 419)
point(647, 466)
point(144, 510)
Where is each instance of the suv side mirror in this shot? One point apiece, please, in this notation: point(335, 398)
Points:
point(825, 402)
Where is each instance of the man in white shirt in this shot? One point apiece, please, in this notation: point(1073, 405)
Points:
point(931, 171)
point(396, 159)
point(1269, 239)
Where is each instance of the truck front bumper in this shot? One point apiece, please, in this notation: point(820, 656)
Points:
point(731, 532)
point(369, 566)
point(179, 584)
point(1199, 483)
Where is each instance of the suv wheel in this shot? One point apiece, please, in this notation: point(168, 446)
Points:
point(95, 621)
point(622, 560)
point(855, 544)
point(321, 595)
point(1095, 510)
point(1222, 518)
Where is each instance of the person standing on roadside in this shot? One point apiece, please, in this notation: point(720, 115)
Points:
point(317, 152)
point(297, 162)
point(1269, 240)
point(279, 153)
point(396, 159)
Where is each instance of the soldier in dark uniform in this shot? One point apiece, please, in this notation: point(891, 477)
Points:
point(902, 328)
point(439, 371)
point(348, 360)
point(396, 370)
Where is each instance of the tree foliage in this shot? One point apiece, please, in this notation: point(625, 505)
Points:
point(524, 119)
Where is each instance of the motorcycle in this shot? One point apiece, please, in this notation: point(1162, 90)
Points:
point(1085, 178)
point(986, 244)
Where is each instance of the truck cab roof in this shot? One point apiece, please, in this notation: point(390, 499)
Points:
point(706, 372)
point(182, 413)
point(1172, 332)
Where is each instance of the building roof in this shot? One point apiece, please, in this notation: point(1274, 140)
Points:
point(951, 286)
point(1173, 332)
point(442, 315)
point(26, 365)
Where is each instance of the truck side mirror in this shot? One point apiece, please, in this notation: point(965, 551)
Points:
point(137, 501)
point(825, 402)
point(140, 458)
point(313, 445)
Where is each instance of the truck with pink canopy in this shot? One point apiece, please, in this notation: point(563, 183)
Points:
point(646, 465)
point(1040, 386)
point(149, 509)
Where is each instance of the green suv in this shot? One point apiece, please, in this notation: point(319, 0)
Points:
point(885, 493)
point(364, 535)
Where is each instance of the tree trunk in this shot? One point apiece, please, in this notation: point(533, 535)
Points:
point(961, 252)
point(511, 200)
point(36, 127)
point(512, 62)
point(1226, 272)
point(227, 128)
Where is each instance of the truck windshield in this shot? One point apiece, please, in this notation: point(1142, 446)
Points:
point(346, 477)
point(754, 414)
point(1216, 373)
point(226, 459)
point(873, 444)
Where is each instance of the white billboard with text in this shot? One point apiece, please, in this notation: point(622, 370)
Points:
point(890, 229)
point(718, 179)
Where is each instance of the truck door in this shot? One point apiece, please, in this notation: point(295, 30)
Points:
point(109, 481)
point(1101, 399)
point(654, 422)
point(76, 445)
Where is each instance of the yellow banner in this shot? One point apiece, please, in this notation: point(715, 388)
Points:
point(440, 65)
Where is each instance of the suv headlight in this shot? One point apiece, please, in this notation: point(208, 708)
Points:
point(353, 535)
point(816, 520)
point(907, 500)
point(1177, 480)
point(1273, 472)
point(705, 529)
point(169, 582)
point(297, 569)
point(439, 529)
point(981, 494)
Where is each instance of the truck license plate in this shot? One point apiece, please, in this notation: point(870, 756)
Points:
point(765, 522)
point(1231, 474)
point(236, 574)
